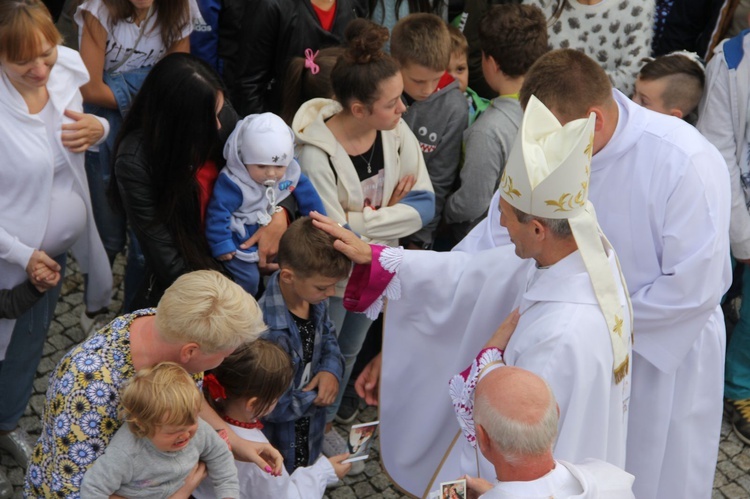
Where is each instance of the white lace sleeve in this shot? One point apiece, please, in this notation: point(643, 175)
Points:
point(462, 386)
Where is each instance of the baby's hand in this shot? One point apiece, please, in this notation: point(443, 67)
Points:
point(340, 468)
point(227, 257)
point(328, 388)
point(194, 478)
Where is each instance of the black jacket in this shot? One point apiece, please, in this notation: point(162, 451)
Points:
point(164, 260)
point(272, 32)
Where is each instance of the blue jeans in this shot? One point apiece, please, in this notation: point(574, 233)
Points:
point(18, 370)
point(737, 366)
point(112, 226)
point(351, 329)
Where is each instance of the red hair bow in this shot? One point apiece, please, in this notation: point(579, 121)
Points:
point(215, 390)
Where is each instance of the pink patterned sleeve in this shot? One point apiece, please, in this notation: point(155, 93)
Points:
point(369, 285)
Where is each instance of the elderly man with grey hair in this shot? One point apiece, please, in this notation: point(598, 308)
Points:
point(516, 415)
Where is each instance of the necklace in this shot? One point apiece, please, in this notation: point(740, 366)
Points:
point(242, 424)
point(372, 153)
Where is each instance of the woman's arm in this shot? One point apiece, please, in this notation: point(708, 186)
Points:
point(414, 209)
point(93, 43)
point(264, 455)
point(180, 46)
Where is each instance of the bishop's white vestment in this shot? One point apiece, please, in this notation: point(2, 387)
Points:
point(592, 479)
point(562, 336)
point(661, 193)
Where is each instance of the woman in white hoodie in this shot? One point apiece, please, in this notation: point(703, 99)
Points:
point(45, 209)
point(367, 166)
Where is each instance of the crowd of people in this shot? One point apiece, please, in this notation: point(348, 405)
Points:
point(552, 193)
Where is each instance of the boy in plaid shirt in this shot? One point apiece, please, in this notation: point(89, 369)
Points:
point(295, 307)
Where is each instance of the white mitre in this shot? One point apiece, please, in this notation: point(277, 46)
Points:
point(547, 175)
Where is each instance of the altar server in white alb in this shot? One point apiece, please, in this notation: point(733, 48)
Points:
point(662, 198)
point(516, 424)
point(575, 323)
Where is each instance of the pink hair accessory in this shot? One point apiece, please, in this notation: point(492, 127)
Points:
point(310, 61)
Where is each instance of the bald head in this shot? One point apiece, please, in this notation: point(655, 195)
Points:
point(517, 410)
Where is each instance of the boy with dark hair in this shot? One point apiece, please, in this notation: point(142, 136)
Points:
point(512, 37)
point(295, 307)
point(436, 109)
point(671, 84)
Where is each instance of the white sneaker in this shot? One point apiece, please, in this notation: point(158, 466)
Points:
point(334, 444)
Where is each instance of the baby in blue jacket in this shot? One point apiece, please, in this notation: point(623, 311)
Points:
point(260, 172)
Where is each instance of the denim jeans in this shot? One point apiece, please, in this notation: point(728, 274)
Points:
point(351, 329)
point(112, 226)
point(18, 370)
point(737, 366)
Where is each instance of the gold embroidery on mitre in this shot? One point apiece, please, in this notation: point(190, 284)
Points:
point(618, 326)
point(590, 147)
point(568, 202)
point(507, 185)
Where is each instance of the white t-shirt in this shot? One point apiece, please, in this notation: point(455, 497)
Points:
point(122, 36)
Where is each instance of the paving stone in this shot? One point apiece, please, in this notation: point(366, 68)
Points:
point(62, 307)
point(742, 460)
point(391, 494)
point(730, 470)
point(37, 403)
point(46, 365)
point(720, 479)
point(744, 482)
point(60, 341)
point(343, 493)
point(380, 482)
point(40, 384)
point(69, 320)
point(363, 489)
point(372, 467)
point(734, 491)
point(732, 446)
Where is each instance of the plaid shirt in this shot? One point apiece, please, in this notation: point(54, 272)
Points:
point(295, 404)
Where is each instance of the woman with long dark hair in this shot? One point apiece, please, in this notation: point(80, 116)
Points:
point(165, 167)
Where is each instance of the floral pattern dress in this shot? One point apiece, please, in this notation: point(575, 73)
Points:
point(81, 410)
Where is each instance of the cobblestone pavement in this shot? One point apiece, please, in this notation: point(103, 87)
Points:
point(732, 478)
